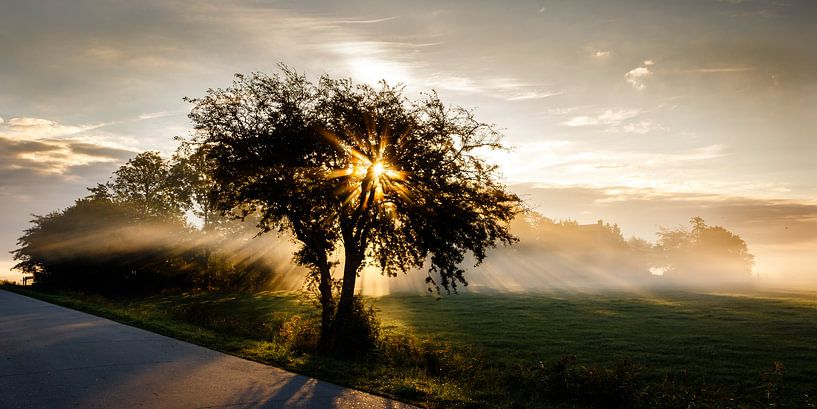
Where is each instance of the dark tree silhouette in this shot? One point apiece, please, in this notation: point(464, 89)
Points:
point(704, 254)
point(127, 236)
point(151, 184)
point(102, 246)
point(358, 169)
point(193, 172)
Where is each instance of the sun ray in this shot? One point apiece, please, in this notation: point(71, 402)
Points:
point(367, 176)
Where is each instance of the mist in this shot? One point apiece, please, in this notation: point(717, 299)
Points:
point(565, 256)
point(550, 256)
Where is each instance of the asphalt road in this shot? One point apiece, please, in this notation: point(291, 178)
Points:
point(54, 357)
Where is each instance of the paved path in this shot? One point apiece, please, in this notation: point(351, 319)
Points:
point(54, 357)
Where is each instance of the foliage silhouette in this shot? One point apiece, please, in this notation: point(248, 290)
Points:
point(152, 185)
point(91, 246)
point(129, 235)
point(358, 169)
point(704, 254)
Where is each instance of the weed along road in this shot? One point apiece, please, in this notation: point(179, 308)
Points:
point(54, 357)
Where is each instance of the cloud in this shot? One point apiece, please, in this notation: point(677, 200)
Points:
point(46, 147)
point(365, 21)
point(637, 77)
point(615, 120)
point(641, 127)
point(755, 13)
point(154, 115)
point(633, 165)
point(31, 128)
point(722, 70)
point(54, 156)
point(760, 221)
point(602, 53)
point(509, 89)
point(367, 55)
point(608, 117)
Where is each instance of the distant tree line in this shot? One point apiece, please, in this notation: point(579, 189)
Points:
point(133, 234)
point(701, 254)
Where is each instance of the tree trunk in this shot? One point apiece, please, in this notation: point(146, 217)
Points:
point(347, 293)
point(327, 304)
point(344, 312)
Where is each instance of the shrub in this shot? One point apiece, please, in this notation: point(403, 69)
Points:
point(300, 334)
point(358, 334)
point(615, 387)
point(213, 317)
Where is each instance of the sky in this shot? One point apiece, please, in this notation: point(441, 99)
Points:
point(641, 113)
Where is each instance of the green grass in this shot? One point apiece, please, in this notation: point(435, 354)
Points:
point(499, 350)
point(728, 340)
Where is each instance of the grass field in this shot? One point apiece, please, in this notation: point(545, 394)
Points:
point(728, 340)
point(727, 344)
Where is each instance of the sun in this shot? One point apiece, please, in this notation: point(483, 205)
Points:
point(367, 176)
point(371, 182)
point(378, 170)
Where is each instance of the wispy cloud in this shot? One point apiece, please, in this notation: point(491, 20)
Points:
point(155, 115)
point(722, 70)
point(372, 61)
point(752, 14)
point(509, 89)
point(366, 21)
point(33, 128)
point(48, 147)
point(612, 117)
point(765, 221)
point(357, 48)
point(641, 127)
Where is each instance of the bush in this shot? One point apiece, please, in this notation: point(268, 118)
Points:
point(300, 334)
point(432, 357)
point(615, 387)
point(213, 317)
point(357, 335)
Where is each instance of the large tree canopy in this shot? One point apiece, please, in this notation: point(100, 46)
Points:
point(384, 179)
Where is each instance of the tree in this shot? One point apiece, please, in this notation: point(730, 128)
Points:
point(104, 246)
point(193, 171)
point(152, 185)
point(704, 253)
point(357, 169)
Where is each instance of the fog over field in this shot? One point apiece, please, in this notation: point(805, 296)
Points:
point(552, 254)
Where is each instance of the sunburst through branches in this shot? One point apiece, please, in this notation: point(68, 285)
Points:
point(370, 181)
